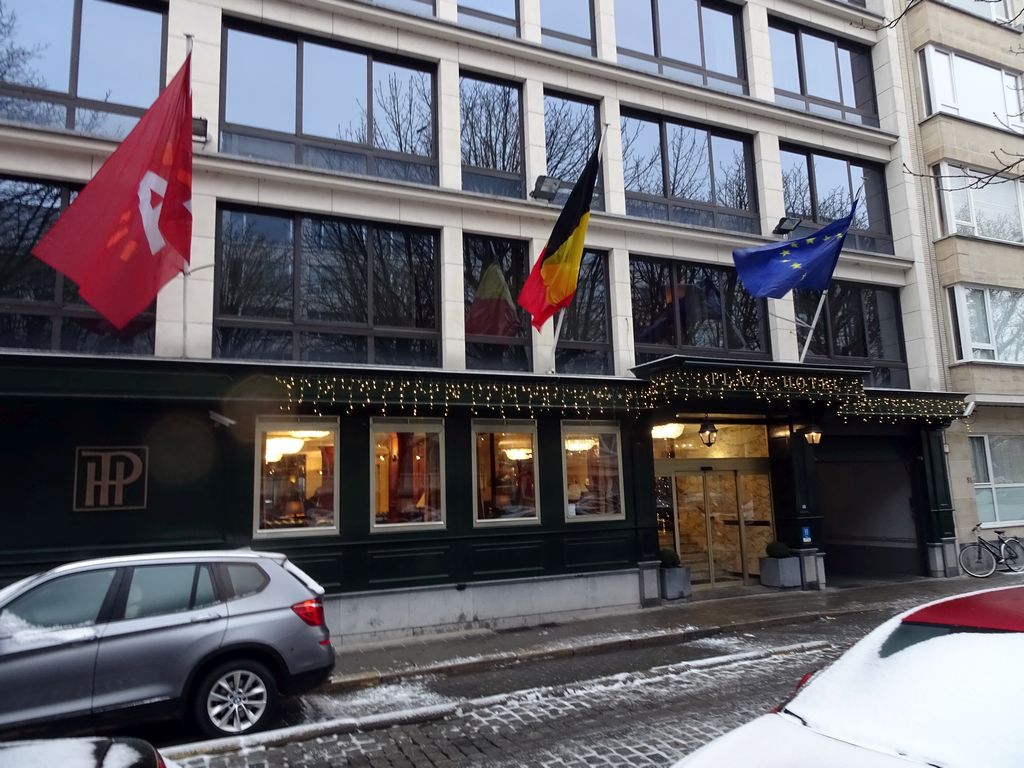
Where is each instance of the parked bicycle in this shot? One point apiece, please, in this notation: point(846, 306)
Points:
point(980, 559)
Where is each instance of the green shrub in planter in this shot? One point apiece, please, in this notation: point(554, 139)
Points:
point(778, 549)
point(669, 558)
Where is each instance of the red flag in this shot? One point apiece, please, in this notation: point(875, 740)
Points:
point(130, 230)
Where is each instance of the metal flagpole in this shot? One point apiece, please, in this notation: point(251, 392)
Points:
point(187, 271)
point(813, 325)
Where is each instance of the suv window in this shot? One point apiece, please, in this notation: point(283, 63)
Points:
point(205, 593)
point(159, 589)
point(245, 579)
point(69, 601)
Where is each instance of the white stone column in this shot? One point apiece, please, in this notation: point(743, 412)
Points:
point(453, 310)
point(621, 309)
point(533, 132)
point(449, 144)
point(771, 201)
point(611, 160)
point(529, 20)
point(758, 50)
point(604, 29)
point(447, 10)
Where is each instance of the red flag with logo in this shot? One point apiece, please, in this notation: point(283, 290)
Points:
point(130, 230)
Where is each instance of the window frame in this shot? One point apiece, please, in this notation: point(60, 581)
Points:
point(992, 485)
point(654, 351)
point(825, 325)
point(302, 142)
point(427, 426)
point(681, 203)
point(808, 227)
point(959, 315)
point(265, 424)
point(582, 42)
point(490, 426)
point(494, 20)
point(567, 343)
point(1012, 119)
point(493, 173)
point(948, 221)
point(598, 427)
point(60, 309)
point(296, 325)
point(660, 62)
point(69, 99)
point(867, 118)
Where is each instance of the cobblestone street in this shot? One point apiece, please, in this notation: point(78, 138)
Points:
point(637, 718)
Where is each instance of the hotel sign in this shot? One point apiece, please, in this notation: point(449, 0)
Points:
point(113, 477)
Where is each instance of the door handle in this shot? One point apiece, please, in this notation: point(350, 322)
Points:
point(205, 617)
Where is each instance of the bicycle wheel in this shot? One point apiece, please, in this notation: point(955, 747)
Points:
point(977, 561)
point(1013, 553)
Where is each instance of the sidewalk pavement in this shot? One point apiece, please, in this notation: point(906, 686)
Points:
point(366, 665)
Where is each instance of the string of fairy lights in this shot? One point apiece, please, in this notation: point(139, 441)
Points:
point(843, 394)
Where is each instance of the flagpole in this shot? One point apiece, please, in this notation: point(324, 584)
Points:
point(813, 325)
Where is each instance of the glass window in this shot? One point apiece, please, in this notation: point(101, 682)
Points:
point(245, 579)
point(858, 321)
point(584, 345)
point(998, 477)
point(567, 25)
point(497, 328)
point(361, 112)
point(687, 174)
point(570, 135)
point(681, 305)
point(696, 41)
point(68, 601)
point(980, 204)
point(65, 72)
point(499, 17)
point(994, 10)
point(504, 467)
point(822, 74)
point(994, 323)
point(408, 474)
point(819, 188)
point(40, 308)
point(593, 472)
point(420, 7)
point(970, 89)
point(297, 477)
point(160, 589)
point(299, 287)
point(491, 137)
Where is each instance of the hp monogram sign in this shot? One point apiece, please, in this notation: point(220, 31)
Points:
point(111, 478)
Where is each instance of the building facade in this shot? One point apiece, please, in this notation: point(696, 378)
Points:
point(344, 374)
point(968, 107)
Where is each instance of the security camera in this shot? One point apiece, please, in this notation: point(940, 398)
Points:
point(971, 405)
point(221, 420)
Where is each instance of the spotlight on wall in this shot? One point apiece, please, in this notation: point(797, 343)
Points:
point(708, 433)
point(812, 435)
point(786, 225)
point(546, 188)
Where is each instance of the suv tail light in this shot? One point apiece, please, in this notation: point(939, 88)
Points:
point(311, 612)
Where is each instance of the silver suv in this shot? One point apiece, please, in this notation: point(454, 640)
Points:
point(218, 635)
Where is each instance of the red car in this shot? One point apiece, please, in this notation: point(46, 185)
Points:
point(936, 686)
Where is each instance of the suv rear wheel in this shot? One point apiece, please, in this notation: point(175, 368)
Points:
point(236, 697)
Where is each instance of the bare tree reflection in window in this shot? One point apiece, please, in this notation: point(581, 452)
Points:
point(491, 133)
point(586, 316)
point(334, 270)
point(26, 212)
point(570, 134)
point(256, 265)
point(641, 156)
point(689, 169)
point(403, 284)
point(403, 116)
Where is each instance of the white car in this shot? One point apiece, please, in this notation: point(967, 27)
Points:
point(936, 686)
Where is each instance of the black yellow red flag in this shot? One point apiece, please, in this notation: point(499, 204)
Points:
point(552, 282)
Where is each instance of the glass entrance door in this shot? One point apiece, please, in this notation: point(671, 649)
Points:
point(723, 523)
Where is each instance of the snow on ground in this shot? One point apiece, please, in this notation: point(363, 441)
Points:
point(392, 697)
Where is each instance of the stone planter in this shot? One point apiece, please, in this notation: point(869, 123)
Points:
point(780, 571)
point(675, 583)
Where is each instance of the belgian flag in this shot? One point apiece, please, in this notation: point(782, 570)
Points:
point(552, 282)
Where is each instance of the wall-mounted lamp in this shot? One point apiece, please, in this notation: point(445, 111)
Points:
point(786, 225)
point(812, 435)
point(708, 433)
point(200, 128)
point(546, 188)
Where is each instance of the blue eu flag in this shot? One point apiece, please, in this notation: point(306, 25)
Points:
point(806, 263)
